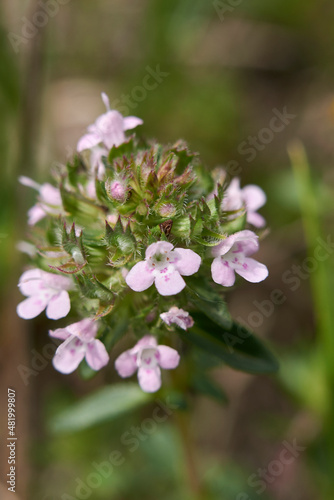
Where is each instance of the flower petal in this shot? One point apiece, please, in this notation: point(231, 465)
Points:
point(158, 247)
point(88, 141)
point(233, 199)
point(169, 283)
point(96, 354)
point(56, 282)
point(169, 358)
point(248, 243)
point(254, 197)
point(146, 341)
point(126, 364)
point(50, 195)
point(253, 271)
point(188, 262)
point(256, 219)
point(86, 329)
point(105, 100)
point(90, 190)
point(60, 333)
point(35, 214)
point(139, 278)
point(31, 283)
point(96, 162)
point(223, 247)
point(149, 379)
point(178, 316)
point(222, 273)
point(59, 306)
point(130, 122)
point(68, 356)
point(26, 181)
point(109, 127)
point(31, 307)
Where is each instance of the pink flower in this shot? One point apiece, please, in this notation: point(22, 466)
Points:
point(232, 256)
point(251, 196)
point(44, 290)
point(147, 357)
point(79, 343)
point(108, 129)
point(178, 316)
point(163, 266)
point(50, 201)
point(89, 189)
point(96, 162)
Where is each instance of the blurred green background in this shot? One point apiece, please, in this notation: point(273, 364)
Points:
point(224, 67)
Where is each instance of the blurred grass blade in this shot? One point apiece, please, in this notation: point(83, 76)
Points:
point(319, 278)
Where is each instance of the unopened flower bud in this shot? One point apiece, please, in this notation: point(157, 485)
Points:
point(178, 316)
point(117, 190)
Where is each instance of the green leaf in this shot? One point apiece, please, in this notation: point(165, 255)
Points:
point(104, 405)
point(185, 156)
point(75, 170)
point(237, 347)
point(209, 302)
point(235, 225)
point(125, 149)
point(101, 192)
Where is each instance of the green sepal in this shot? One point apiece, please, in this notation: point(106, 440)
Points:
point(92, 288)
point(119, 239)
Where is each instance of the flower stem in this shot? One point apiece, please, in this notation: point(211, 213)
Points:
point(194, 482)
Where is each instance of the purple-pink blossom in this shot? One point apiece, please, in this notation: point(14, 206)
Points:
point(232, 256)
point(96, 162)
point(108, 129)
point(79, 343)
point(148, 358)
point(178, 316)
point(251, 197)
point(44, 290)
point(49, 201)
point(163, 266)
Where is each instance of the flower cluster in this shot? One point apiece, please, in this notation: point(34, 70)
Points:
point(123, 216)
